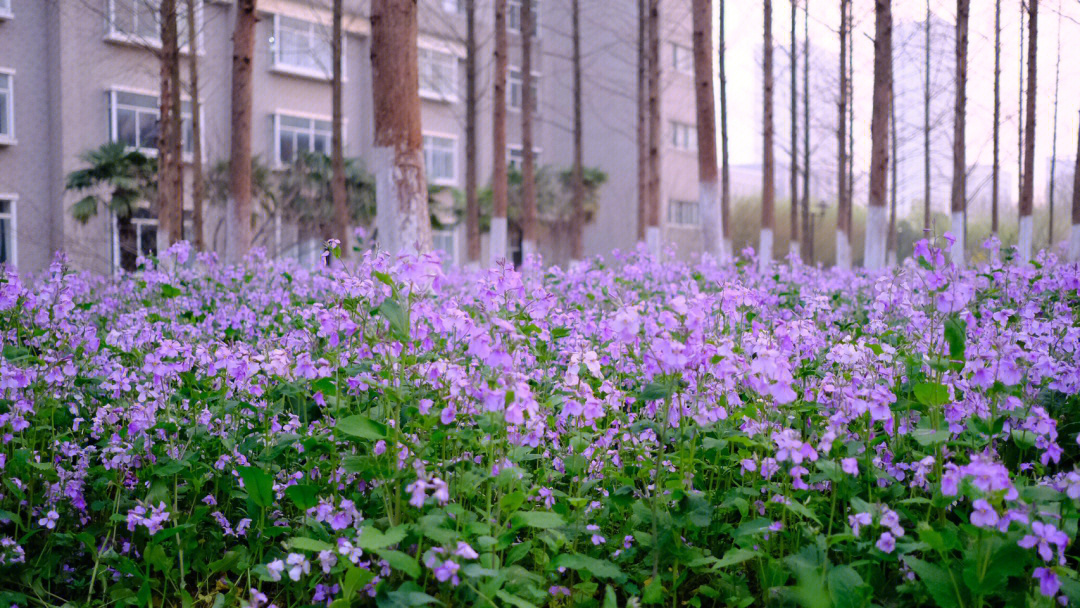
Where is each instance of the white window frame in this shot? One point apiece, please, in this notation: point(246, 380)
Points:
point(683, 144)
point(13, 215)
point(112, 34)
point(519, 82)
point(514, 6)
point(9, 139)
point(276, 128)
point(277, 65)
point(510, 149)
point(676, 49)
point(679, 220)
point(453, 179)
point(151, 151)
point(5, 10)
point(432, 93)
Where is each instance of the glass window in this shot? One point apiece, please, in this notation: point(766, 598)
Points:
point(683, 136)
point(139, 19)
point(682, 58)
point(295, 134)
point(683, 213)
point(440, 159)
point(438, 74)
point(135, 121)
point(7, 232)
point(453, 6)
point(7, 106)
point(515, 89)
point(302, 46)
point(445, 241)
point(513, 15)
point(515, 156)
point(5, 8)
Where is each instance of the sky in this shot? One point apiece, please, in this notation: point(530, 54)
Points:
point(744, 29)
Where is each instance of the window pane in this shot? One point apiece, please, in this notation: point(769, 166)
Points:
point(5, 240)
point(148, 239)
point(321, 144)
point(146, 23)
point(303, 142)
point(126, 131)
point(288, 146)
point(5, 120)
point(148, 130)
point(295, 122)
point(123, 14)
point(188, 135)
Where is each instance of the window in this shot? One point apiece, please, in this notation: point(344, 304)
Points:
point(133, 121)
point(137, 236)
point(683, 136)
point(438, 75)
point(515, 90)
point(450, 6)
point(682, 58)
point(440, 159)
point(5, 9)
point(136, 21)
point(294, 134)
point(445, 241)
point(683, 213)
point(7, 230)
point(302, 47)
point(515, 156)
point(7, 107)
point(513, 16)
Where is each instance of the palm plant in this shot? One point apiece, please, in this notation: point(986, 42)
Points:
point(117, 178)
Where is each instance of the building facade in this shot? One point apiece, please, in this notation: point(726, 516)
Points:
point(75, 74)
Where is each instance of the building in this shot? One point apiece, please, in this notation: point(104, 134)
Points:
point(75, 74)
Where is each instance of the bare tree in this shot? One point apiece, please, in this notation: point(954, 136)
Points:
point(198, 186)
point(996, 174)
point(874, 256)
point(708, 194)
point(768, 186)
point(337, 153)
point(843, 200)
point(1020, 109)
point(577, 244)
point(890, 248)
point(807, 234)
point(652, 232)
point(926, 129)
point(499, 186)
point(725, 175)
point(170, 164)
point(642, 120)
point(1053, 145)
point(472, 205)
point(1026, 198)
point(401, 184)
point(528, 159)
point(1074, 234)
point(793, 216)
point(959, 177)
point(238, 216)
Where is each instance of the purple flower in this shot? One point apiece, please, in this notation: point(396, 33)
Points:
point(859, 520)
point(465, 551)
point(49, 521)
point(275, 568)
point(1044, 536)
point(447, 571)
point(1048, 581)
point(886, 544)
point(298, 565)
point(984, 515)
point(849, 466)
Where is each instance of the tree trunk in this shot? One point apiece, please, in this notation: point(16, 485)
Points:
point(642, 121)
point(843, 242)
point(472, 205)
point(926, 131)
point(807, 236)
point(198, 187)
point(959, 177)
point(890, 248)
point(1026, 200)
point(768, 186)
point(725, 174)
point(337, 192)
point(1074, 234)
point(497, 235)
point(577, 227)
point(793, 217)
point(652, 232)
point(238, 222)
point(851, 122)
point(708, 193)
point(1020, 112)
point(170, 148)
point(1053, 145)
point(874, 251)
point(401, 184)
point(528, 108)
point(996, 173)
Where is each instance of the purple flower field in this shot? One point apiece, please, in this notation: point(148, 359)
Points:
point(629, 432)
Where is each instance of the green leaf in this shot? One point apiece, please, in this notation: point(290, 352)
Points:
point(931, 393)
point(955, 335)
point(371, 539)
point(362, 427)
point(846, 587)
point(169, 291)
point(400, 561)
point(537, 519)
point(156, 557)
point(597, 567)
point(653, 592)
point(655, 391)
point(394, 314)
point(309, 544)
point(610, 600)
point(355, 580)
point(939, 583)
point(303, 496)
point(733, 557)
point(259, 485)
point(513, 600)
point(798, 507)
point(927, 437)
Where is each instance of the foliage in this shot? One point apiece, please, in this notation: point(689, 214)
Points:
point(554, 189)
point(642, 433)
point(117, 178)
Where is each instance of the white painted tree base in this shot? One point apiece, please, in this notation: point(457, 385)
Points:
point(497, 244)
point(725, 251)
point(528, 251)
point(793, 249)
point(956, 254)
point(843, 251)
point(1023, 240)
point(1074, 243)
point(765, 246)
point(876, 238)
point(653, 240)
point(890, 259)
